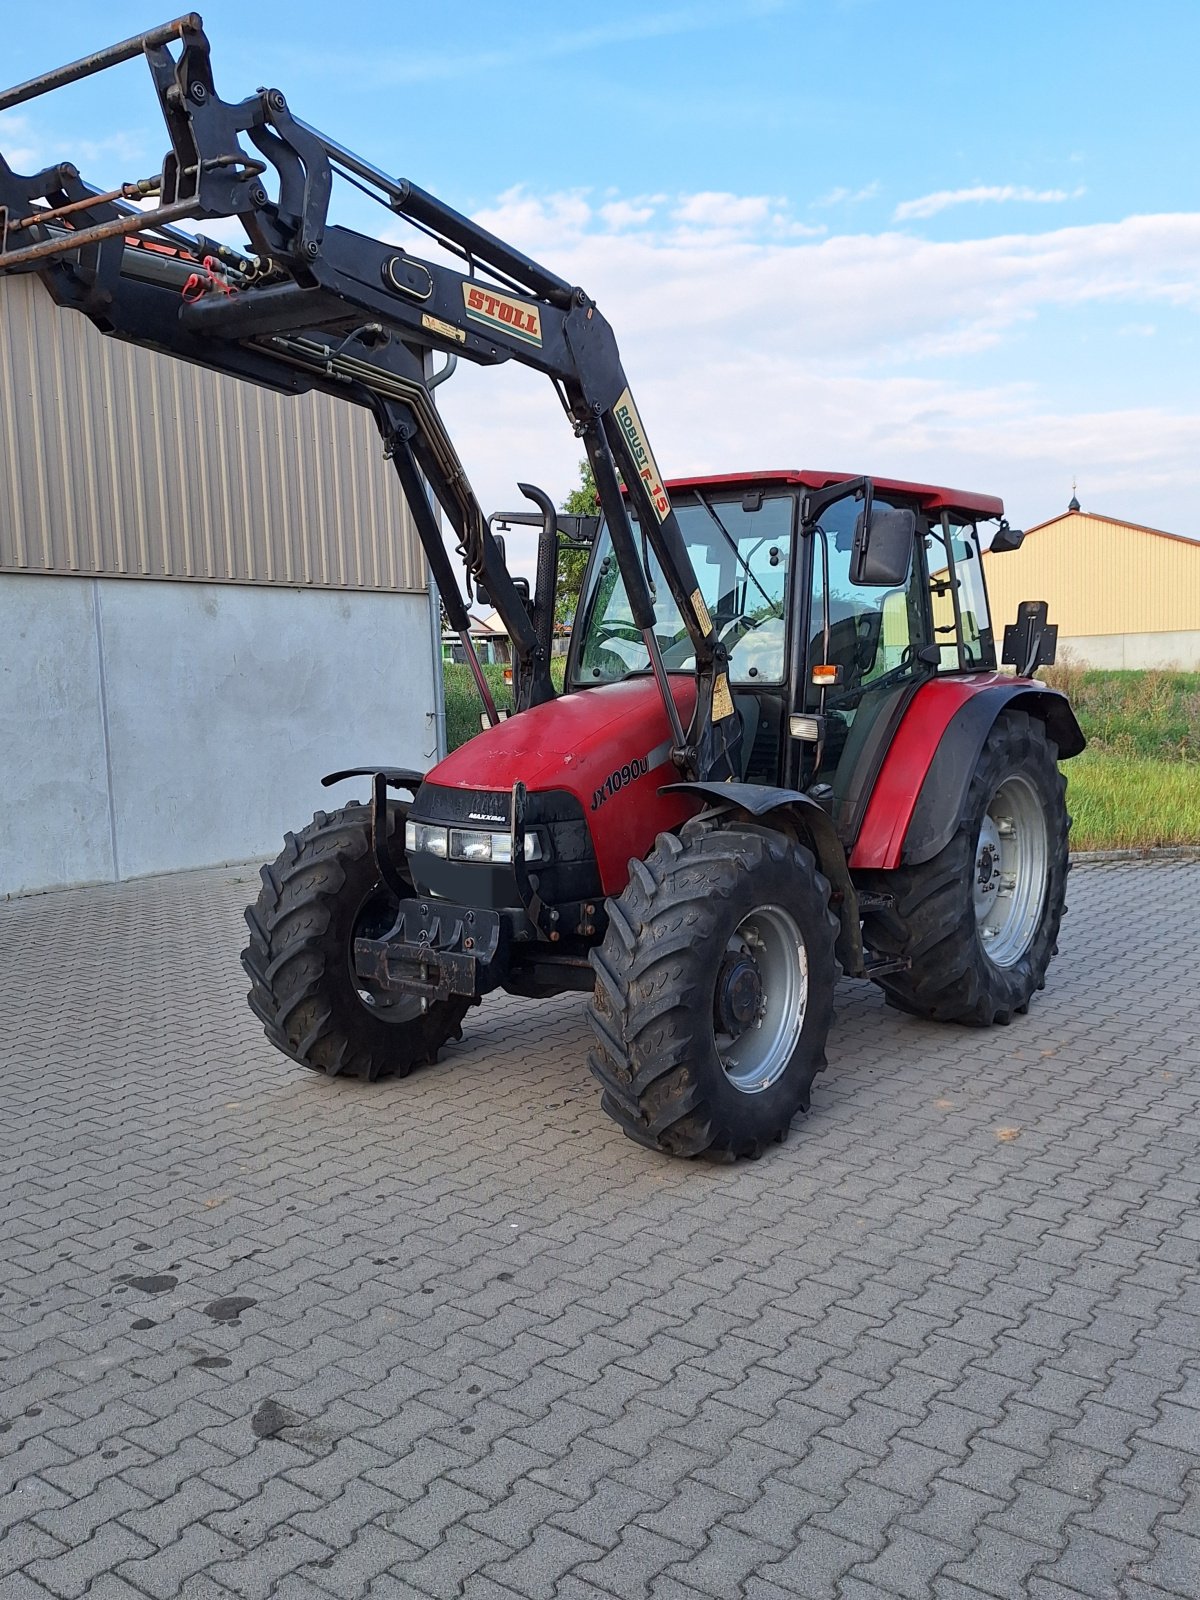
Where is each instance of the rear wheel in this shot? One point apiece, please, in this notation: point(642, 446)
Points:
point(323, 892)
point(714, 991)
point(979, 922)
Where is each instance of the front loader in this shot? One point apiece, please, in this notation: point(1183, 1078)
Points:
point(783, 749)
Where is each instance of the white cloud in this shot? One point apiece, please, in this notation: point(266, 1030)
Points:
point(713, 209)
point(929, 205)
point(17, 143)
point(841, 196)
point(620, 214)
point(753, 349)
point(27, 148)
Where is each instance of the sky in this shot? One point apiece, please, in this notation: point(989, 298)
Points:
point(946, 242)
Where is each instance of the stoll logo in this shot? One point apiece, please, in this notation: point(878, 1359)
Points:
point(631, 426)
point(502, 311)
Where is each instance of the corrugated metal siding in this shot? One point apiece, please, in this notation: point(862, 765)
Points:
point(116, 461)
point(1099, 577)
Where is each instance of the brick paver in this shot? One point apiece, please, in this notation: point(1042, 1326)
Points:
point(264, 1333)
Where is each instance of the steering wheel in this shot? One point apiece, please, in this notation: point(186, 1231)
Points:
point(620, 630)
point(610, 664)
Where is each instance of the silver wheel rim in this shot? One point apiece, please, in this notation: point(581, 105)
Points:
point(1012, 859)
point(754, 1058)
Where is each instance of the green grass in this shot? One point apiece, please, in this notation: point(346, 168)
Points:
point(1150, 714)
point(1136, 786)
point(1131, 802)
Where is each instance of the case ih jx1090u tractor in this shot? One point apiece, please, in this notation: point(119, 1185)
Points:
point(783, 749)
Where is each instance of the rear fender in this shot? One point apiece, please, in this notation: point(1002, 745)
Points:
point(799, 813)
point(921, 792)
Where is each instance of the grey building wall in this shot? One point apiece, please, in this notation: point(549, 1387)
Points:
point(1134, 652)
point(210, 595)
point(148, 727)
point(120, 462)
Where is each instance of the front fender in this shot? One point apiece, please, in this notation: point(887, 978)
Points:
point(918, 799)
point(763, 800)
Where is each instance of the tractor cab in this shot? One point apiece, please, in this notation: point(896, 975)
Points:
point(829, 634)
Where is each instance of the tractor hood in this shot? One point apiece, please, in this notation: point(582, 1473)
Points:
point(608, 747)
point(574, 743)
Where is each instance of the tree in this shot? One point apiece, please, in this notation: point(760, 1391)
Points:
point(581, 502)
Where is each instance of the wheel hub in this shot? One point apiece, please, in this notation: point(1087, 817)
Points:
point(1012, 865)
point(760, 998)
point(987, 868)
point(739, 994)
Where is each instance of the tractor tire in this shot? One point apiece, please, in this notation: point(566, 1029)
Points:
point(979, 922)
point(714, 991)
point(322, 892)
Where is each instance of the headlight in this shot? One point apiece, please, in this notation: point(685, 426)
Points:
point(470, 844)
point(473, 844)
point(422, 838)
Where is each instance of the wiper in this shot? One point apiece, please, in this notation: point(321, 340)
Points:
point(737, 554)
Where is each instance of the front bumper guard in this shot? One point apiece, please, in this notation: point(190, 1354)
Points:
point(435, 951)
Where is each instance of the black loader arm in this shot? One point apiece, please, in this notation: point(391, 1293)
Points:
point(311, 305)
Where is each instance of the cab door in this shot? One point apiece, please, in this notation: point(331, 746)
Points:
point(876, 639)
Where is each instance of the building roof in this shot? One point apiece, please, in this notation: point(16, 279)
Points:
point(1115, 522)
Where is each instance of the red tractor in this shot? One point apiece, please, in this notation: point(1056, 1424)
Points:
point(783, 749)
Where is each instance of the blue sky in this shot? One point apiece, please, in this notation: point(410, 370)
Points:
point(957, 242)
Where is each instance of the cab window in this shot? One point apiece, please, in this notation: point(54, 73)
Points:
point(962, 628)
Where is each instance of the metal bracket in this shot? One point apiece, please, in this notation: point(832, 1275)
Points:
point(379, 840)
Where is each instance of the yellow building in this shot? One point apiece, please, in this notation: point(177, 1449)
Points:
point(1122, 595)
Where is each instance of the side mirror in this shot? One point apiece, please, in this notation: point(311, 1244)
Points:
point(1006, 538)
point(577, 529)
point(883, 546)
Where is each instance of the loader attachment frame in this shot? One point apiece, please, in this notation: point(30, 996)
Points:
point(312, 305)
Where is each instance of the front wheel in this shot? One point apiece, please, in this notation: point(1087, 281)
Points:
point(714, 991)
point(978, 923)
point(323, 892)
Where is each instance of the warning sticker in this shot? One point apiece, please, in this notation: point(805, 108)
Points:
point(701, 611)
point(446, 329)
point(722, 699)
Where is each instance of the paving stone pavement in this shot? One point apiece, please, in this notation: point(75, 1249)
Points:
point(264, 1333)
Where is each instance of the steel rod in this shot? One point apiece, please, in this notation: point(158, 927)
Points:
point(99, 59)
point(678, 737)
point(63, 243)
point(481, 683)
point(393, 188)
point(127, 191)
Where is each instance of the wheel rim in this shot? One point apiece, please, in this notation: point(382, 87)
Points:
point(374, 919)
point(761, 998)
point(1011, 868)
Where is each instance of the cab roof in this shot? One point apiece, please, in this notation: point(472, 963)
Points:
point(927, 495)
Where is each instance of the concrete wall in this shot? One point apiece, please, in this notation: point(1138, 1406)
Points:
point(1133, 652)
point(150, 727)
